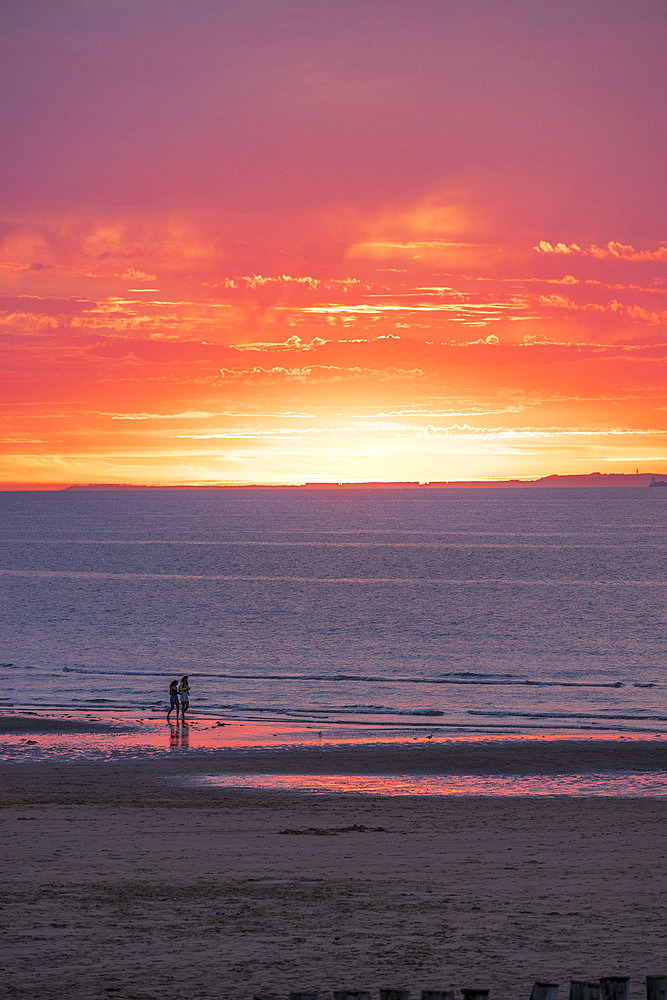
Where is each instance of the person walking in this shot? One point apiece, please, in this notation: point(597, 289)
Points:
point(184, 695)
point(173, 700)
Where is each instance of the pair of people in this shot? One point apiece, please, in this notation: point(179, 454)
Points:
point(179, 697)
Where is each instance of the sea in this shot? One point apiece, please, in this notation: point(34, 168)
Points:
point(511, 611)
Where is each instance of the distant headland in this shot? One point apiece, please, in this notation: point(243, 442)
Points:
point(594, 480)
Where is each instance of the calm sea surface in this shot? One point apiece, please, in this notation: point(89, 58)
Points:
point(472, 610)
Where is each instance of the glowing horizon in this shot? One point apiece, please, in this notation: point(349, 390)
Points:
point(271, 244)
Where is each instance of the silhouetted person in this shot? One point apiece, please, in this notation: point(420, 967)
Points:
point(173, 700)
point(184, 695)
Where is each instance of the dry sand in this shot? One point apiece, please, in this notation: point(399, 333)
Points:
point(119, 882)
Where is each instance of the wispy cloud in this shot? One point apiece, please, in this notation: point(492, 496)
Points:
point(473, 313)
point(132, 274)
point(408, 246)
point(613, 250)
point(206, 415)
point(183, 415)
point(369, 428)
point(319, 373)
point(285, 281)
point(614, 307)
point(533, 433)
point(257, 433)
point(293, 343)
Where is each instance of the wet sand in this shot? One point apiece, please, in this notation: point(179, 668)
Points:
point(35, 723)
point(121, 881)
point(289, 748)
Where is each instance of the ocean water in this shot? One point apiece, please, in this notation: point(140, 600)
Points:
point(494, 611)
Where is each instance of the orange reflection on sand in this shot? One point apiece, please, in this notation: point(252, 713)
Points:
point(125, 736)
point(625, 785)
point(609, 763)
point(71, 735)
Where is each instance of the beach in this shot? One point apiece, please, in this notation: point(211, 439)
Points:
point(125, 878)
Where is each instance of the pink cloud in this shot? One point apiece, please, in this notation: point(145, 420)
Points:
point(614, 307)
point(611, 251)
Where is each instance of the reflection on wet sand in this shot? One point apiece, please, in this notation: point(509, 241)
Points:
point(334, 759)
point(179, 737)
point(652, 785)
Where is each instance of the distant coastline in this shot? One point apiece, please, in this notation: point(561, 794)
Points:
point(592, 480)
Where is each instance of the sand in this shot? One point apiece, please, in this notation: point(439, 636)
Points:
point(47, 724)
point(121, 881)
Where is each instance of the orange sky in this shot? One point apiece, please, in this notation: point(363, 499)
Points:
point(281, 242)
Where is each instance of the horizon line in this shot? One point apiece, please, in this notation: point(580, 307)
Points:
point(590, 479)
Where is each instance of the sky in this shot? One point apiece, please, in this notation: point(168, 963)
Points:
point(274, 241)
